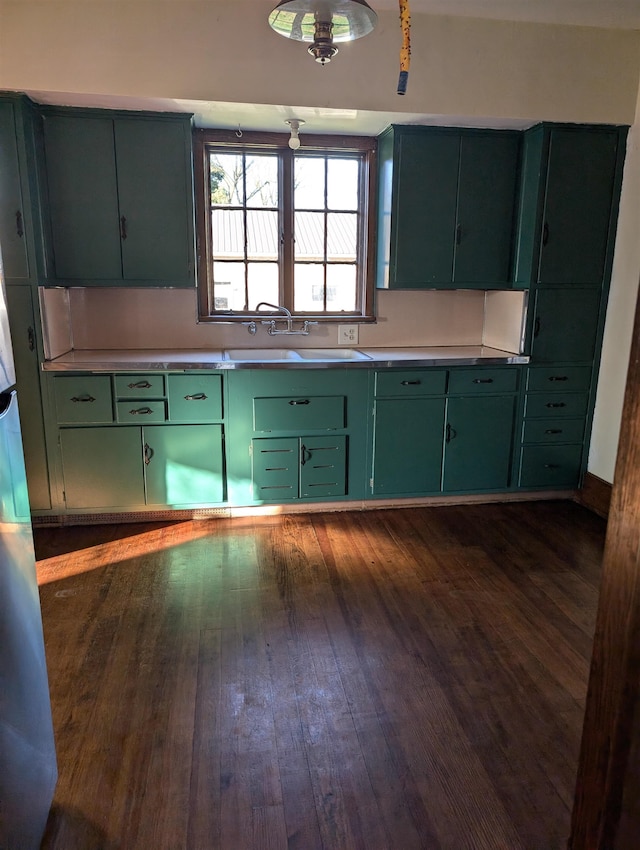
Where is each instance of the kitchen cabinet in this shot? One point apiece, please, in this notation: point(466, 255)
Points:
point(299, 467)
point(22, 324)
point(566, 322)
point(184, 464)
point(447, 204)
point(119, 198)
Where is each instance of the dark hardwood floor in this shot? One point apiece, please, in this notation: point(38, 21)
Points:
point(385, 680)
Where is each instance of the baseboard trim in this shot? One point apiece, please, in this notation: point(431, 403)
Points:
point(595, 495)
point(97, 518)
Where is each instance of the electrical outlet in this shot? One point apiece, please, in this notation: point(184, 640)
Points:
point(347, 334)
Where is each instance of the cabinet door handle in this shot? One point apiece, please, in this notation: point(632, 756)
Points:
point(76, 398)
point(301, 401)
point(553, 431)
point(19, 226)
point(556, 404)
point(31, 339)
point(552, 466)
point(123, 228)
point(483, 380)
point(303, 455)
point(410, 383)
point(140, 385)
point(148, 454)
point(141, 411)
point(545, 234)
point(558, 378)
point(458, 234)
point(195, 397)
point(536, 327)
point(451, 433)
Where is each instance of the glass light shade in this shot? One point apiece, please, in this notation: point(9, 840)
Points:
point(297, 19)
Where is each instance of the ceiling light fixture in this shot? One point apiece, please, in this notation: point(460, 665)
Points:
point(294, 124)
point(323, 22)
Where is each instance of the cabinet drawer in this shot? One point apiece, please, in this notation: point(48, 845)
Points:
point(141, 411)
point(555, 404)
point(139, 386)
point(411, 382)
point(558, 378)
point(553, 431)
point(275, 469)
point(194, 398)
point(550, 466)
point(83, 398)
point(311, 413)
point(469, 381)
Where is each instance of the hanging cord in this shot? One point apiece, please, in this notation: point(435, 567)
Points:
point(405, 50)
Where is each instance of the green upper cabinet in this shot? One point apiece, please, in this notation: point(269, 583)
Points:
point(17, 237)
point(120, 199)
point(569, 204)
point(447, 201)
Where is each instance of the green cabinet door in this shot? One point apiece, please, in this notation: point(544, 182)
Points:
point(102, 467)
point(323, 467)
point(565, 325)
point(275, 468)
point(13, 239)
point(155, 200)
point(27, 362)
point(478, 443)
point(183, 464)
point(83, 197)
point(424, 215)
point(580, 191)
point(487, 190)
point(408, 441)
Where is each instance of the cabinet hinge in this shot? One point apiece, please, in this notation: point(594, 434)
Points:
point(371, 484)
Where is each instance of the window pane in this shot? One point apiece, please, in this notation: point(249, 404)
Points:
point(309, 236)
point(308, 288)
point(225, 170)
point(341, 288)
point(262, 235)
point(262, 180)
point(342, 184)
point(308, 181)
point(228, 286)
point(263, 284)
point(342, 232)
point(227, 234)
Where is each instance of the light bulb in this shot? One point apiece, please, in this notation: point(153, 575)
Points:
point(294, 142)
point(294, 124)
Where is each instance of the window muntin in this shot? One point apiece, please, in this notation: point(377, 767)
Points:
point(286, 228)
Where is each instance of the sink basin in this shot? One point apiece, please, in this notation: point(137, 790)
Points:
point(332, 354)
point(257, 355)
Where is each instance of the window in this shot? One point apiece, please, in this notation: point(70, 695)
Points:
point(283, 227)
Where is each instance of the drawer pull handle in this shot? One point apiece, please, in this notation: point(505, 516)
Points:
point(553, 431)
point(195, 397)
point(558, 378)
point(451, 433)
point(302, 401)
point(410, 383)
point(140, 385)
point(148, 454)
point(552, 466)
point(82, 398)
point(141, 411)
point(483, 380)
point(556, 404)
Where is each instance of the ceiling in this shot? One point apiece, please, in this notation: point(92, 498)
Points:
point(618, 14)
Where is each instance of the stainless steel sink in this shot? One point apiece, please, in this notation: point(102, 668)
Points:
point(259, 355)
point(332, 354)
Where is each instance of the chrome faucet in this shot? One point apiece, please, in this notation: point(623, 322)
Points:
point(283, 310)
point(271, 323)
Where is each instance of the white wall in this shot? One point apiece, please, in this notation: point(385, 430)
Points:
point(620, 315)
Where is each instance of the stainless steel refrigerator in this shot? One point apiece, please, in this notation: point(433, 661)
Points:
point(28, 769)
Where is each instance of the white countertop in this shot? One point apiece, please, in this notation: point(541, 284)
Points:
point(111, 360)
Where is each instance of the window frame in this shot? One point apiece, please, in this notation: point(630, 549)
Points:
point(364, 146)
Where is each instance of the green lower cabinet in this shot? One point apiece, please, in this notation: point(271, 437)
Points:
point(102, 467)
point(550, 466)
point(183, 464)
point(408, 442)
point(299, 467)
point(478, 443)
